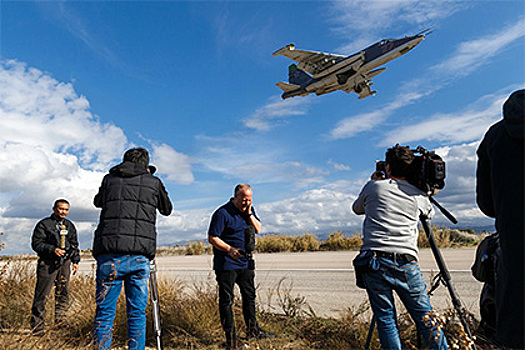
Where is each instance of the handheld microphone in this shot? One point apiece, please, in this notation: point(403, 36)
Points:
point(63, 233)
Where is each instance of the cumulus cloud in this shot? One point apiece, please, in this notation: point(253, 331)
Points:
point(459, 194)
point(39, 111)
point(175, 165)
point(52, 146)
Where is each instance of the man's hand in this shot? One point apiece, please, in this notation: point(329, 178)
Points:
point(60, 252)
point(74, 267)
point(248, 210)
point(235, 253)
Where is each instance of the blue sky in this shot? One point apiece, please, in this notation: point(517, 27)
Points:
point(194, 82)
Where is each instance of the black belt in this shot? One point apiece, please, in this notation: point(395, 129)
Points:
point(393, 256)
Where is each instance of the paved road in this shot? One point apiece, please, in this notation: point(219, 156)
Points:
point(325, 279)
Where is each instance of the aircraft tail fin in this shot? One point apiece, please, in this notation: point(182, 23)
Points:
point(297, 76)
point(287, 87)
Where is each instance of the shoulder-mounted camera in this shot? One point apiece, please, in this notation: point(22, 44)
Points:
point(426, 172)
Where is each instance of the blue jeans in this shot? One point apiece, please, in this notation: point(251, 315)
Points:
point(405, 278)
point(112, 270)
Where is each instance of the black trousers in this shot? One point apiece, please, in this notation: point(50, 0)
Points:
point(226, 280)
point(49, 273)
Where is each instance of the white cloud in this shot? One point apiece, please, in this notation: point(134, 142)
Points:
point(175, 165)
point(470, 55)
point(275, 111)
point(459, 194)
point(52, 146)
point(349, 127)
point(456, 127)
point(367, 20)
point(255, 159)
point(339, 166)
point(37, 110)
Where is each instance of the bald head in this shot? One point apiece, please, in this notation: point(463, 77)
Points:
point(242, 197)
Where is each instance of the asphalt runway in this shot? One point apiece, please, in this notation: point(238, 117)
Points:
point(324, 281)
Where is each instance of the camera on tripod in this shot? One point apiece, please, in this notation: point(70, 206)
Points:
point(426, 172)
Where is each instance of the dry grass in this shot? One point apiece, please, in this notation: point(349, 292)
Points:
point(190, 319)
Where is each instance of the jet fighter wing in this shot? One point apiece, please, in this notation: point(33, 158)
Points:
point(309, 61)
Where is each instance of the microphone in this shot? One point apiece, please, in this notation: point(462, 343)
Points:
point(63, 233)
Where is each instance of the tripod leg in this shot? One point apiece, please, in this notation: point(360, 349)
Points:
point(445, 277)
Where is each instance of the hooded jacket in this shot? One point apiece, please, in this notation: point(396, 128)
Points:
point(500, 194)
point(129, 197)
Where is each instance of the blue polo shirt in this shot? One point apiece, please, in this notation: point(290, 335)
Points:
point(228, 223)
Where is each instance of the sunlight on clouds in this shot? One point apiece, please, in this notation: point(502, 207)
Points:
point(37, 110)
point(175, 165)
point(459, 194)
point(319, 209)
point(52, 146)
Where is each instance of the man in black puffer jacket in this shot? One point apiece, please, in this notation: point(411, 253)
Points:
point(125, 242)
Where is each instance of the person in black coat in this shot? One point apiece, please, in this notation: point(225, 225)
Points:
point(500, 194)
point(55, 241)
point(124, 244)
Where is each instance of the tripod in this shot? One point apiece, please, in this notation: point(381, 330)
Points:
point(155, 306)
point(442, 277)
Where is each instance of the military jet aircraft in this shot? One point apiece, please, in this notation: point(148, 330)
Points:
point(321, 73)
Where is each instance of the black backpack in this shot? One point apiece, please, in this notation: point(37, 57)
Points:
point(484, 270)
point(486, 255)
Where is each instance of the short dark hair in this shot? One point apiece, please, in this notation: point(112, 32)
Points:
point(399, 158)
point(137, 155)
point(241, 187)
point(61, 200)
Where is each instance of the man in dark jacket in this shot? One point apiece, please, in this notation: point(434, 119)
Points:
point(500, 194)
point(125, 242)
point(56, 243)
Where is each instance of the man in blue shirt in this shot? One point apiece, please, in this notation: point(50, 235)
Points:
point(227, 235)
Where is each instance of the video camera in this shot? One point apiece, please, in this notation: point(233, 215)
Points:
point(426, 172)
